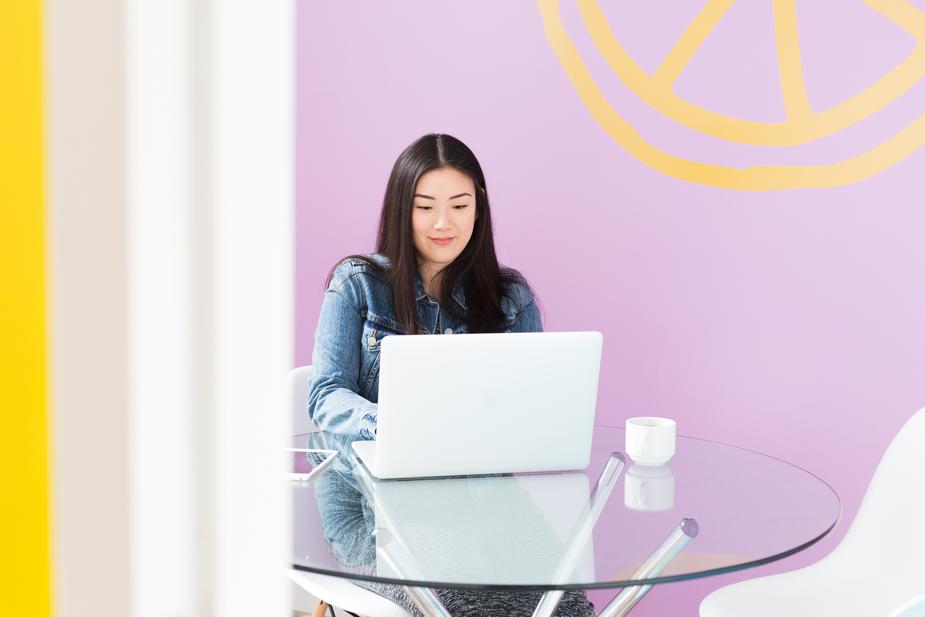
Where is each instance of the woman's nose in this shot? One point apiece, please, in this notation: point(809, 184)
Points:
point(442, 221)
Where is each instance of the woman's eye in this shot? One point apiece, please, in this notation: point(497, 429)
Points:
point(424, 207)
point(460, 206)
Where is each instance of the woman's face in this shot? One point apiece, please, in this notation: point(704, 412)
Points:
point(442, 217)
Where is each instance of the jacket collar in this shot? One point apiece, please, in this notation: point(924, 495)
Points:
point(458, 295)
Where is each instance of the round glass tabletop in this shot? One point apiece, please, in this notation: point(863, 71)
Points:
point(713, 508)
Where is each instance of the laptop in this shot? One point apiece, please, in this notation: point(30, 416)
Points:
point(470, 404)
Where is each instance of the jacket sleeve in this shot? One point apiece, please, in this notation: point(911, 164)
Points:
point(334, 402)
point(528, 317)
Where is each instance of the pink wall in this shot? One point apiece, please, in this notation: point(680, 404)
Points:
point(789, 322)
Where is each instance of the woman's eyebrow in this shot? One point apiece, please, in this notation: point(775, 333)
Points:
point(453, 197)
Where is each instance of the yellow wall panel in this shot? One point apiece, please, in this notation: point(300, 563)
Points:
point(24, 516)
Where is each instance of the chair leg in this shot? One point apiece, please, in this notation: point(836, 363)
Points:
point(321, 609)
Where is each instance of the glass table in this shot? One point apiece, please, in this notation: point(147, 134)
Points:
point(713, 508)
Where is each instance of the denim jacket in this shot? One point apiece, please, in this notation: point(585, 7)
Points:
point(356, 315)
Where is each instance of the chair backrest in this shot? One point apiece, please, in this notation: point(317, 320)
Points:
point(297, 384)
point(913, 608)
point(888, 531)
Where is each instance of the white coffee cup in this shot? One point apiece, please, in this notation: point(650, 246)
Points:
point(649, 488)
point(650, 440)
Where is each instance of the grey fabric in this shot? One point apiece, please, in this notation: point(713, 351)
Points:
point(465, 603)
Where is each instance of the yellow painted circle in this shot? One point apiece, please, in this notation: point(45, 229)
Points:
point(801, 125)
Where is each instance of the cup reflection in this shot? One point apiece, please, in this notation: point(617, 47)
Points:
point(649, 489)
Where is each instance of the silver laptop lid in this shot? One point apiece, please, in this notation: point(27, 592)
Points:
point(486, 403)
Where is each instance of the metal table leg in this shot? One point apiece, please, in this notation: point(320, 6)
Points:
point(582, 533)
point(669, 549)
point(430, 605)
point(427, 601)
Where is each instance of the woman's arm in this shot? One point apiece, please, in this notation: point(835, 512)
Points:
point(528, 319)
point(333, 400)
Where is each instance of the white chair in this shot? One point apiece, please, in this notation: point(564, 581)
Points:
point(913, 608)
point(331, 590)
point(879, 564)
point(341, 593)
point(297, 384)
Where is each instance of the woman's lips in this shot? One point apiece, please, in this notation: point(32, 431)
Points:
point(441, 241)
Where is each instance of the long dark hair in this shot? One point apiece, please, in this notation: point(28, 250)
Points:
point(476, 267)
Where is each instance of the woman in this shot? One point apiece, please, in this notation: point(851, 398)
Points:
point(434, 272)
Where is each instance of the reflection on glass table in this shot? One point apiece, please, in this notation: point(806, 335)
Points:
point(714, 508)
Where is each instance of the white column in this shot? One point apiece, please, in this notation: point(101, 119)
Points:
point(165, 349)
point(253, 277)
point(85, 134)
point(171, 186)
